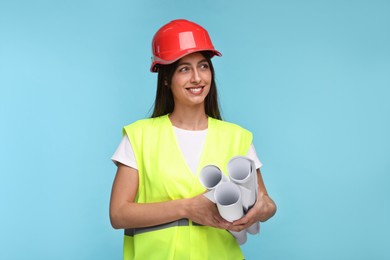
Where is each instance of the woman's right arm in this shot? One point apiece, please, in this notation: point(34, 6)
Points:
point(126, 213)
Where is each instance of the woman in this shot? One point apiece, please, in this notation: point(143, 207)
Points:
point(156, 195)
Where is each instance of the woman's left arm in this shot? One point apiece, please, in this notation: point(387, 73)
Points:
point(263, 209)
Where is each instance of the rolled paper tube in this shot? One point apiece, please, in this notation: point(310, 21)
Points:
point(210, 195)
point(254, 229)
point(246, 196)
point(242, 171)
point(241, 236)
point(228, 199)
point(239, 169)
point(210, 176)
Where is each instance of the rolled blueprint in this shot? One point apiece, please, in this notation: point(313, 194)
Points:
point(210, 177)
point(242, 171)
point(228, 199)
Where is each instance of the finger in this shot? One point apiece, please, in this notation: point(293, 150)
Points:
point(222, 220)
point(223, 223)
point(237, 228)
point(241, 221)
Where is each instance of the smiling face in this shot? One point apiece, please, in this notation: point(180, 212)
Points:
point(191, 81)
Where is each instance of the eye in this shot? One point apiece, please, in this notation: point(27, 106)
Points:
point(204, 66)
point(183, 69)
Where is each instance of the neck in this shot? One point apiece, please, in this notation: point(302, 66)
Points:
point(189, 119)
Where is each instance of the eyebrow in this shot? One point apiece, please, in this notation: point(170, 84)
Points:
point(187, 63)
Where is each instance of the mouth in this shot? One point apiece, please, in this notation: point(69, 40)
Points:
point(196, 90)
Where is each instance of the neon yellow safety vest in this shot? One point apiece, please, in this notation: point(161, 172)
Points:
point(164, 175)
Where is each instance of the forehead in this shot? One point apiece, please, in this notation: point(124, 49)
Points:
point(192, 57)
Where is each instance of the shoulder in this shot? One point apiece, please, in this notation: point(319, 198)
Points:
point(228, 126)
point(233, 136)
point(144, 124)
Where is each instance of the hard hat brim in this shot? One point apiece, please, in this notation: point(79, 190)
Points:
point(156, 61)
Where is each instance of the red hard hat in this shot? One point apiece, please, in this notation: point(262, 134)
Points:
point(177, 39)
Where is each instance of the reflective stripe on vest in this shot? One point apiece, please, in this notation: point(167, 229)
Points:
point(164, 175)
point(180, 223)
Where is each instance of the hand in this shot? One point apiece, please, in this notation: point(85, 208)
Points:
point(205, 212)
point(263, 209)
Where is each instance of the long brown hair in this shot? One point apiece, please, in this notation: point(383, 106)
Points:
point(164, 102)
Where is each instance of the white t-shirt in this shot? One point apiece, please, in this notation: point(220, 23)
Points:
point(190, 144)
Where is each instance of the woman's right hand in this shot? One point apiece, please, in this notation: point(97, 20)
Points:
point(203, 211)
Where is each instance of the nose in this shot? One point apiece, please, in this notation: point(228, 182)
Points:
point(195, 79)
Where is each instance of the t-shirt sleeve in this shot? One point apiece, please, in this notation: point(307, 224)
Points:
point(252, 155)
point(124, 154)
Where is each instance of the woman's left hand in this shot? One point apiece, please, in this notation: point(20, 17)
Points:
point(263, 210)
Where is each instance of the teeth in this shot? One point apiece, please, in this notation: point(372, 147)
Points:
point(195, 90)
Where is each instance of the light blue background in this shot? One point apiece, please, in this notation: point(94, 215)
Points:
point(310, 79)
